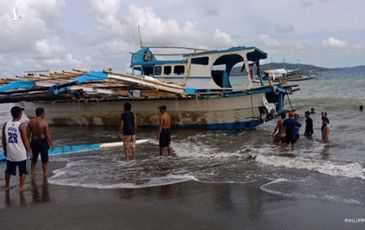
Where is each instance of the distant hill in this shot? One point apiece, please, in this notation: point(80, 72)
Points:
point(304, 68)
point(358, 69)
point(307, 69)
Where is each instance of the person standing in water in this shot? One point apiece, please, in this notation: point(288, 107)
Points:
point(325, 130)
point(164, 134)
point(292, 127)
point(127, 131)
point(41, 140)
point(279, 132)
point(16, 145)
point(308, 125)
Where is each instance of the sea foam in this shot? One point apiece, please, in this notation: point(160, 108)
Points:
point(332, 168)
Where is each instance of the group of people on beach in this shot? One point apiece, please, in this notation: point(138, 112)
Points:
point(287, 129)
point(20, 140)
point(128, 130)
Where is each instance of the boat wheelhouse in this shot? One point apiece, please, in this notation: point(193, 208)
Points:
point(202, 69)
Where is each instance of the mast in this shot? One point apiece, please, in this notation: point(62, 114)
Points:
point(139, 35)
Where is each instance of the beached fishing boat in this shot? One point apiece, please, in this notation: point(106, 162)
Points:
point(196, 87)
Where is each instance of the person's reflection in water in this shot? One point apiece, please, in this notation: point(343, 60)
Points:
point(22, 199)
point(44, 196)
point(223, 196)
point(325, 153)
point(7, 199)
point(34, 189)
point(254, 201)
point(165, 192)
point(45, 190)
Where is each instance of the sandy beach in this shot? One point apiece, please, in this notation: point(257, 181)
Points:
point(189, 205)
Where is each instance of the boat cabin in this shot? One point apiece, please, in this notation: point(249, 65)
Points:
point(233, 68)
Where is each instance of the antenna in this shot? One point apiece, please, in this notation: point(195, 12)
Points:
point(140, 38)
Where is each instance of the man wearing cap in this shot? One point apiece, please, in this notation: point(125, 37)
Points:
point(164, 134)
point(16, 145)
point(292, 127)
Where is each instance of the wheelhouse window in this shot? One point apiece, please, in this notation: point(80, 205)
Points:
point(179, 69)
point(137, 70)
point(200, 61)
point(148, 71)
point(239, 76)
point(167, 70)
point(158, 70)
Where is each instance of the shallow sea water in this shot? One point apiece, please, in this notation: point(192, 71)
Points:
point(334, 172)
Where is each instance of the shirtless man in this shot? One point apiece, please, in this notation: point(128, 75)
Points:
point(41, 140)
point(16, 145)
point(164, 134)
point(279, 132)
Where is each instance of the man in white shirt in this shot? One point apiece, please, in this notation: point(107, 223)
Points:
point(16, 145)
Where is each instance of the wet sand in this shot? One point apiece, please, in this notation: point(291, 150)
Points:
point(189, 205)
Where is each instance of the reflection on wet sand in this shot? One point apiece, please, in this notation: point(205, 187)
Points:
point(9, 202)
point(44, 195)
point(22, 200)
point(254, 201)
point(7, 199)
point(325, 153)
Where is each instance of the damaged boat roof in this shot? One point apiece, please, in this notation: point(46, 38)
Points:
point(98, 84)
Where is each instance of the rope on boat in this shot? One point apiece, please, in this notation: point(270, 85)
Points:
point(290, 102)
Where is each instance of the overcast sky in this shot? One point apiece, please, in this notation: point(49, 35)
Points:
point(98, 34)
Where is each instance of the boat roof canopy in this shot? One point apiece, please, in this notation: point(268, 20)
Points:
point(257, 54)
point(144, 56)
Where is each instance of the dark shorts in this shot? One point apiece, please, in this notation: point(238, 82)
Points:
point(291, 139)
point(40, 146)
point(165, 138)
point(11, 167)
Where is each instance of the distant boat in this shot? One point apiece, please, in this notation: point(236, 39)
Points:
point(285, 75)
point(197, 88)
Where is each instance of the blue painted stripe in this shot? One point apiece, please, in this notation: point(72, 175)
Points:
point(230, 126)
point(17, 85)
point(88, 77)
point(91, 76)
point(243, 125)
point(73, 149)
point(67, 150)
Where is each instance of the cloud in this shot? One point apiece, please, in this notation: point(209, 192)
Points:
point(305, 3)
point(267, 40)
point(48, 48)
point(210, 9)
point(35, 39)
point(154, 29)
point(62, 34)
point(284, 27)
point(333, 42)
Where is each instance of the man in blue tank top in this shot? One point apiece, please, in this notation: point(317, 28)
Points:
point(16, 145)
